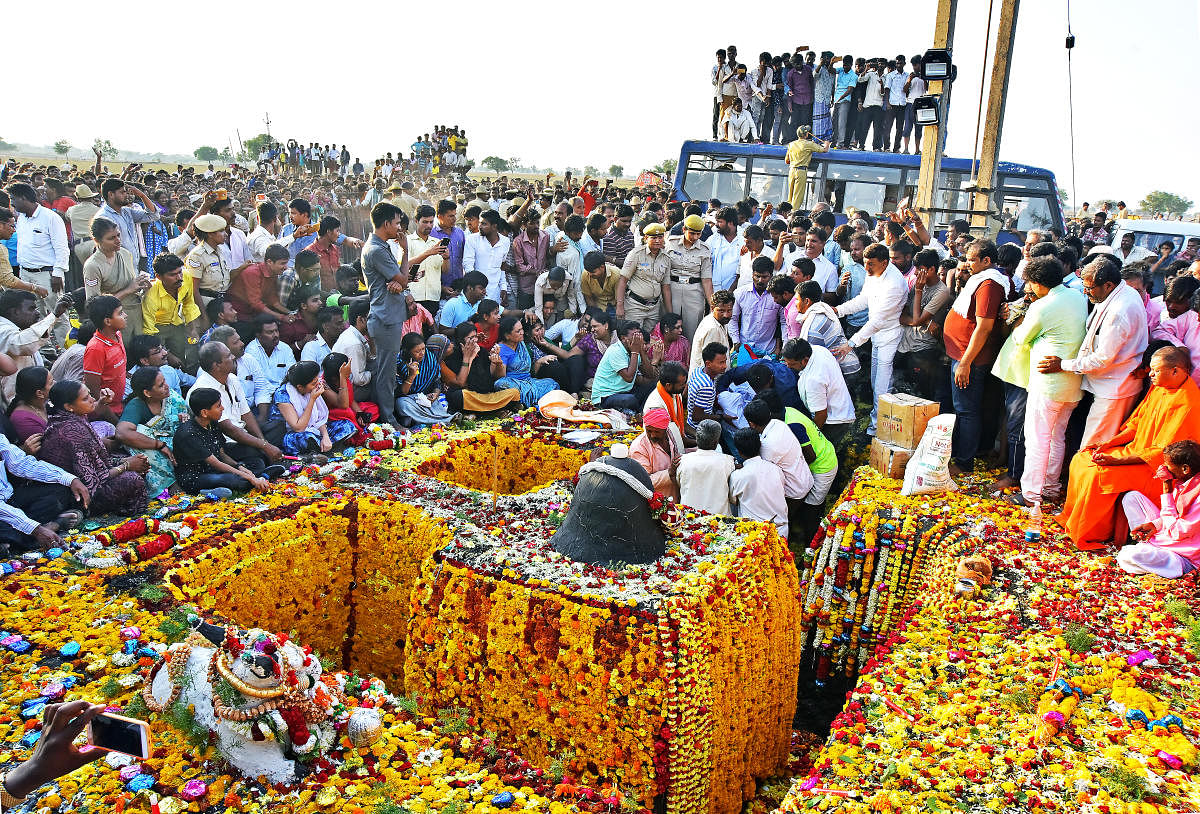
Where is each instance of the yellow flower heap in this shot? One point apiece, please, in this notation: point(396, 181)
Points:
point(1064, 686)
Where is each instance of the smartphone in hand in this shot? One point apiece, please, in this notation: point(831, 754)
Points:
point(116, 733)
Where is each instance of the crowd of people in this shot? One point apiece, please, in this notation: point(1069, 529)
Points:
point(230, 325)
point(852, 104)
point(441, 152)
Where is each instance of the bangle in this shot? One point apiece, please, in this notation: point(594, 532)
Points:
point(7, 800)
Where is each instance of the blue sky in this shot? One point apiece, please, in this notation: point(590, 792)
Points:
point(524, 78)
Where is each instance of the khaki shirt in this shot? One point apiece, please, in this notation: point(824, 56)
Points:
point(205, 264)
point(408, 204)
point(601, 295)
point(646, 274)
point(689, 264)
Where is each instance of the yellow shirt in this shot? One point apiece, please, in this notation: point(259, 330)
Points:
point(160, 308)
point(599, 295)
point(799, 152)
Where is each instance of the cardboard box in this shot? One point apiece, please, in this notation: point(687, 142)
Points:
point(889, 459)
point(902, 419)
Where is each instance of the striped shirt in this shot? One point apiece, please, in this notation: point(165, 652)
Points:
point(616, 245)
point(702, 392)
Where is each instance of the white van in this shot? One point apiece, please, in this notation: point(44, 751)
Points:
point(1150, 234)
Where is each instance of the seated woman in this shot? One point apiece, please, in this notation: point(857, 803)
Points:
point(551, 361)
point(298, 403)
point(466, 376)
point(512, 366)
point(1170, 545)
point(70, 443)
point(27, 412)
point(339, 397)
point(667, 343)
point(419, 381)
point(148, 424)
point(594, 344)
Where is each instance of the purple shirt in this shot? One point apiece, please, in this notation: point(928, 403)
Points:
point(452, 270)
point(757, 320)
point(529, 258)
point(800, 83)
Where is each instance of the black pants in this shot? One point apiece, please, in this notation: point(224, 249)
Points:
point(716, 116)
point(893, 124)
point(871, 118)
point(248, 457)
point(632, 400)
point(41, 502)
point(569, 373)
point(801, 116)
point(215, 480)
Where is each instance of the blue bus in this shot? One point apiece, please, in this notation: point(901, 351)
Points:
point(1026, 197)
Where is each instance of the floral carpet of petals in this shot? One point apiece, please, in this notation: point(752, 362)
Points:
point(962, 705)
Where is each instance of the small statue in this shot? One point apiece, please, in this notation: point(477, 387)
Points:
point(610, 519)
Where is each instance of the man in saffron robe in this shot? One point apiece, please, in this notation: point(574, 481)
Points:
point(1101, 473)
point(655, 450)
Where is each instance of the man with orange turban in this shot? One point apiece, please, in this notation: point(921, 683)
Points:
point(657, 452)
point(1101, 473)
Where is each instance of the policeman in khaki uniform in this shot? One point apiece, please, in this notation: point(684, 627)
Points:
point(691, 273)
point(644, 287)
point(204, 264)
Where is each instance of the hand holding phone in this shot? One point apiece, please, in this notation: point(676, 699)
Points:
point(55, 754)
point(116, 733)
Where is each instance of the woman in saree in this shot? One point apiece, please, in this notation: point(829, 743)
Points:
point(339, 397)
point(419, 381)
point(148, 425)
point(512, 365)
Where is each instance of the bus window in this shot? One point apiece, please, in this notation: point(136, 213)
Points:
point(715, 176)
point(1015, 182)
point(768, 180)
point(868, 188)
point(1024, 213)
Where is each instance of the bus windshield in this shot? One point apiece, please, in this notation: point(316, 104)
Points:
point(875, 183)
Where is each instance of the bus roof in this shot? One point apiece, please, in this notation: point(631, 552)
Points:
point(855, 156)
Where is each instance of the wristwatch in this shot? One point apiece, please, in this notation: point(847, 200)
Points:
point(6, 799)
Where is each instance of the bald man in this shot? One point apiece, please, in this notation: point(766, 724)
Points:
point(1102, 472)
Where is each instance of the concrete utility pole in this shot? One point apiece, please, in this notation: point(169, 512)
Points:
point(989, 157)
point(933, 140)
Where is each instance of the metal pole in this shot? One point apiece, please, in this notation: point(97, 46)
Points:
point(933, 140)
point(985, 180)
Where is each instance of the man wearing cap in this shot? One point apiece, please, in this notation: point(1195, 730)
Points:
point(691, 273)
point(798, 157)
point(644, 285)
point(80, 215)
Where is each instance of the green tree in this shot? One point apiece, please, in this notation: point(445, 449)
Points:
point(4, 145)
point(206, 153)
point(1168, 203)
point(251, 147)
point(666, 168)
point(615, 170)
point(227, 155)
point(106, 148)
point(588, 169)
point(496, 164)
point(62, 146)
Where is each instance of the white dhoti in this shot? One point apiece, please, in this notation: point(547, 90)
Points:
point(1147, 558)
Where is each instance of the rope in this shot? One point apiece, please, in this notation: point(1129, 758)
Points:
point(1071, 106)
point(621, 475)
point(987, 42)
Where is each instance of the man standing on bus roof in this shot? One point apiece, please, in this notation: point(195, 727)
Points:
point(799, 154)
point(691, 273)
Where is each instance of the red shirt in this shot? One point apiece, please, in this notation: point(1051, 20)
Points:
point(958, 329)
point(331, 258)
point(253, 290)
point(107, 360)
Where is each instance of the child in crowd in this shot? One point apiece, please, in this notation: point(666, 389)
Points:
point(200, 459)
point(1170, 545)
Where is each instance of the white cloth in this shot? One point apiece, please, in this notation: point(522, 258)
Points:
point(233, 397)
point(757, 488)
point(259, 240)
point(884, 298)
point(823, 387)
point(274, 364)
point(1105, 418)
point(822, 482)
point(315, 350)
point(962, 303)
point(1147, 558)
point(703, 478)
point(826, 273)
point(738, 125)
point(480, 255)
point(319, 416)
point(1045, 444)
point(781, 447)
point(1112, 346)
point(354, 345)
point(42, 241)
point(238, 252)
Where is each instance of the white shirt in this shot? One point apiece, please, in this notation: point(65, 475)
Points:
point(315, 350)
point(823, 387)
point(703, 478)
point(42, 241)
point(260, 239)
point(480, 255)
point(916, 89)
point(757, 488)
point(233, 397)
point(745, 263)
point(874, 94)
point(180, 245)
point(238, 251)
point(274, 364)
point(567, 297)
point(427, 284)
point(1112, 346)
point(894, 81)
point(739, 125)
point(726, 255)
point(1135, 254)
point(825, 274)
point(782, 448)
point(884, 298)
point(354, 346)
point(257, 387)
